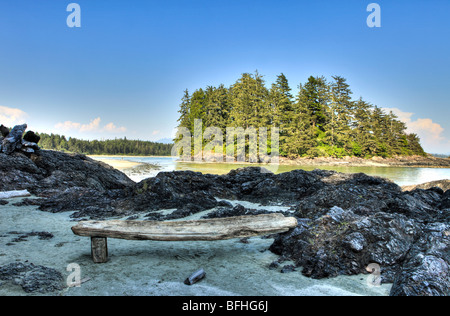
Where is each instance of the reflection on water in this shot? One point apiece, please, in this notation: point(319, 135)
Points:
point(399, 175)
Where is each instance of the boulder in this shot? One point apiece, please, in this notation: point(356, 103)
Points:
point(4, 131)
point(13, 141)
point(31, 137)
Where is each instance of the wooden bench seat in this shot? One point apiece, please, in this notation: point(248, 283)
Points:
point(200, 230)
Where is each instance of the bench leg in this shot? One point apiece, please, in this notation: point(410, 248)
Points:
point(99, 249)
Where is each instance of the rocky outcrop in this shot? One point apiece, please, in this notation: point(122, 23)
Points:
point(426, 270)
point(23, 166)
point(51, 173)
point(12, 141)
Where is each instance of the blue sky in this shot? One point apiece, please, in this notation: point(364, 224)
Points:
point(124, 71)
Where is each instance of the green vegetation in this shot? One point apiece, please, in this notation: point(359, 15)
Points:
point(322, 120)
point(104, 147)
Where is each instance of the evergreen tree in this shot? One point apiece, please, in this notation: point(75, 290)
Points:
point(322, 121)
point(313, 98)
point(281, 105)
point(185, 109)
point(249, 102)
point(340, 114)
point(217, 109)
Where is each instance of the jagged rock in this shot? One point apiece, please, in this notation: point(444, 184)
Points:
point(426, 270)
point(445, 202)
point(29, 147)
point(32, 278)
point(31, 137)
point(342, 242)
point(238, 210)
point(53, 172)
point(14, 140)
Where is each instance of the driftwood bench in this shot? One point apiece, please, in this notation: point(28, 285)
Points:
point(201, 230)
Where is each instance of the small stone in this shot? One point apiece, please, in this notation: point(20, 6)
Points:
point(288, 269)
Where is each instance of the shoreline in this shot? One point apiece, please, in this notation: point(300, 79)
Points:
point(120, 165)
point(407, 162)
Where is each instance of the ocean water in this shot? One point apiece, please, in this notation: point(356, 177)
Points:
point(400, 175)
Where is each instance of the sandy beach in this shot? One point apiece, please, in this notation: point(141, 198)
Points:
point(119, 164)
point(158, 268)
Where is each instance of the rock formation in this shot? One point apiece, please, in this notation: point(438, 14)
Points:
point(12, 141)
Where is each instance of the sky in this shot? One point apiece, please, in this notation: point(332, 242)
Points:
point(123, 72)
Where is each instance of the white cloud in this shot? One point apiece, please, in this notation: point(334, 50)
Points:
point(68, 126)
point(111, 128)
point(10, 116)
point(93, 126)
point(156, 132)
point(429, 132)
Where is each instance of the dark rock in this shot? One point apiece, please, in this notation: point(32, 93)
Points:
point(31, 137)
point(3, 202)
point(52, 172)
point(238, 210)
point(24, 236)
point(342, 242)
point(355, 242)
point(225, 204)
point(4, 131)
point(32, 278)
point(29, 147)
point(274, 265)
point(426, 270)
point(14, 140)
point(288, 268)
point(445, 202)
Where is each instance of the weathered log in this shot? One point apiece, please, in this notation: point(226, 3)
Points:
point(201, 230)
point(14, 194)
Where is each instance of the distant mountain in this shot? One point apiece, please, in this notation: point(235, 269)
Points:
point(441, 155)
point(165, 141)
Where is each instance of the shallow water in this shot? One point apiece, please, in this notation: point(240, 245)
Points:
point(400, 175)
